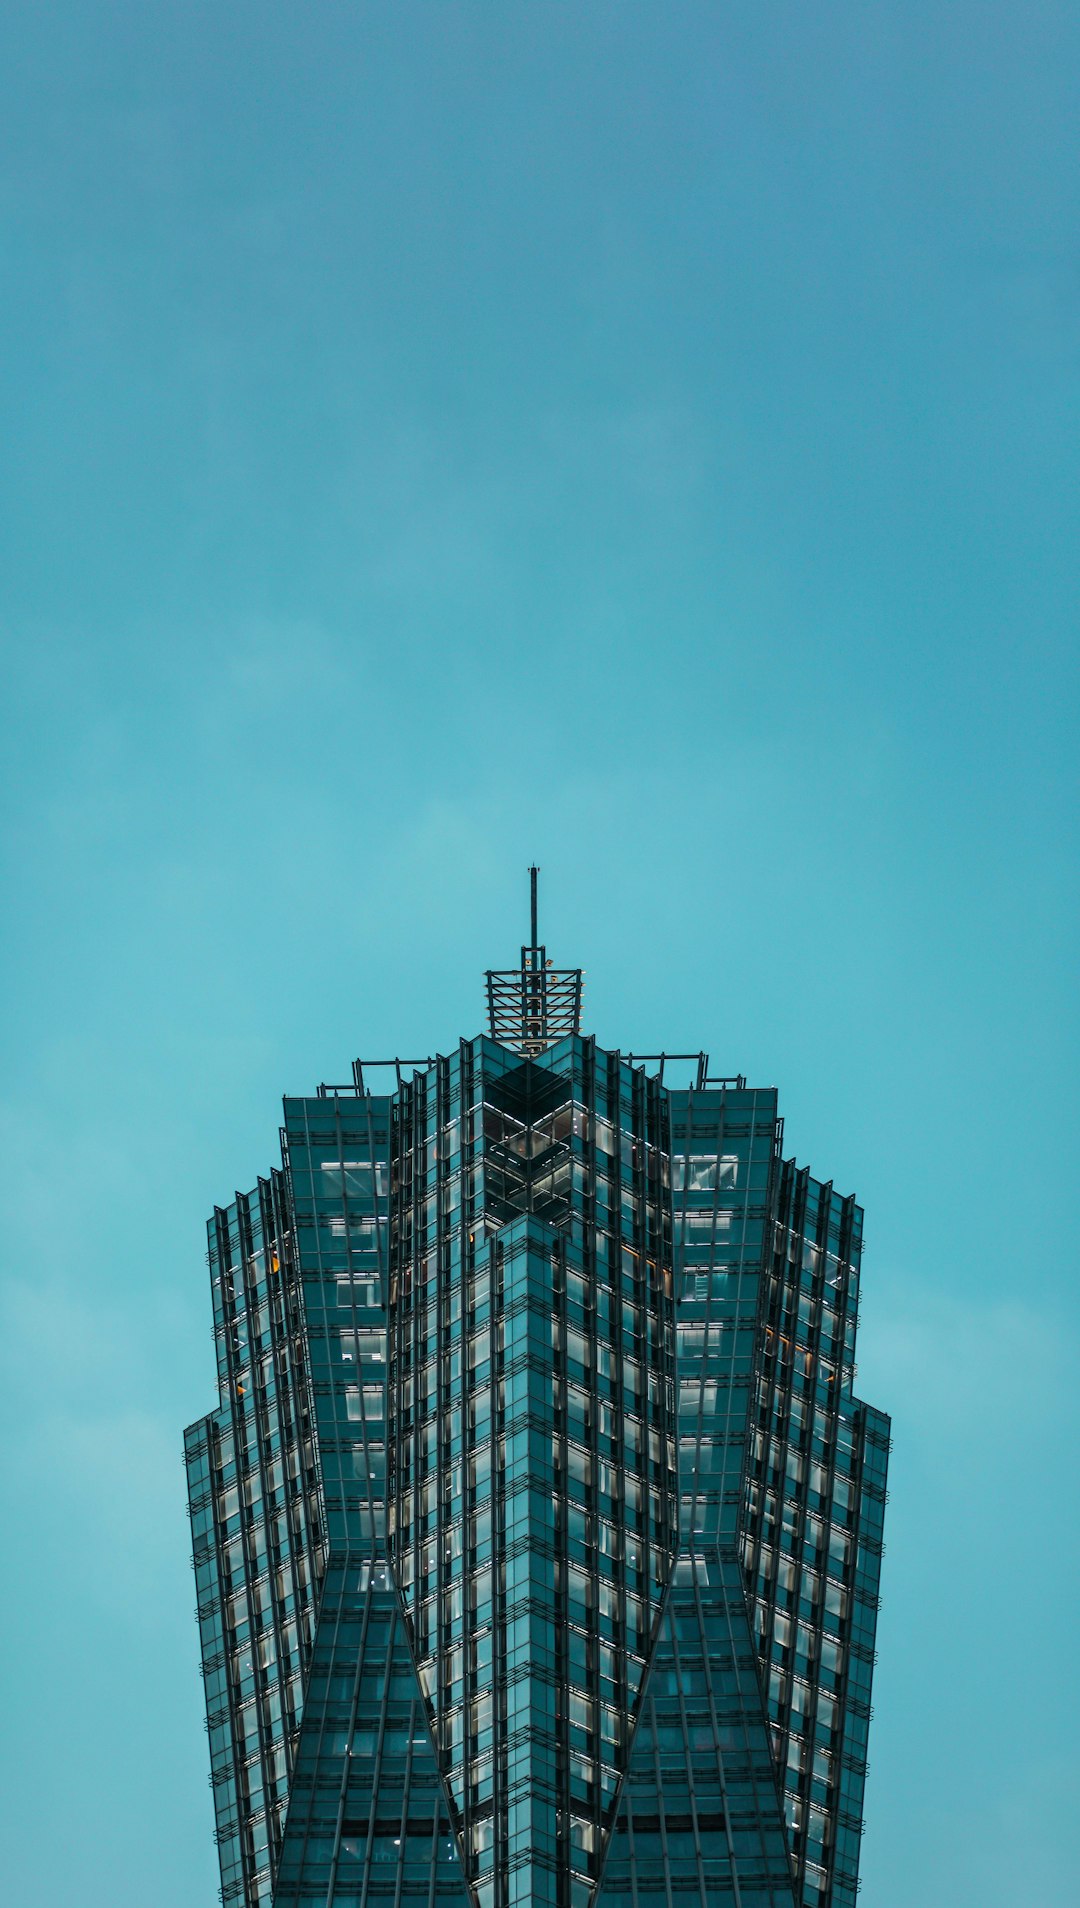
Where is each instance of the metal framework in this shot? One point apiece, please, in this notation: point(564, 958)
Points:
point(532, 1006)
point(402, 1068)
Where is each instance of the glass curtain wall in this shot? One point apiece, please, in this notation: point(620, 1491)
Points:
point(537, 1530)
point(532, 1399)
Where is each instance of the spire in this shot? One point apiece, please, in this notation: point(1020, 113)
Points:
point(532, 1006)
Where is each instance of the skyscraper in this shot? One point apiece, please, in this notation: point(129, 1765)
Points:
point(537, 1530)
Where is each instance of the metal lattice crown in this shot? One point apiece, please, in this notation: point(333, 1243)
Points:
point(532, 1006)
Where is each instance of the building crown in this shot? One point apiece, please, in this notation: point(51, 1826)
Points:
point(532, 1006)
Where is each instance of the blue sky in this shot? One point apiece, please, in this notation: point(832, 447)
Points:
point(640, 439)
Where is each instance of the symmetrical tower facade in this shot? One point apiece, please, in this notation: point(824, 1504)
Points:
point(537, 1530)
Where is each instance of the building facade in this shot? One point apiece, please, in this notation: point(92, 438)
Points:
point(537, 1530)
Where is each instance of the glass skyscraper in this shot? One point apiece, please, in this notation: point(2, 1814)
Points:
point(537, 1530)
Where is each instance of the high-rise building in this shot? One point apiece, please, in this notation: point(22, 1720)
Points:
point(537, 1529)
